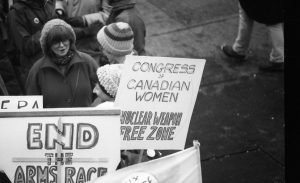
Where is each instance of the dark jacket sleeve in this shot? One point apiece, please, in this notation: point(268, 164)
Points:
point(28, 44)
point(92, 69)
point(32, 83)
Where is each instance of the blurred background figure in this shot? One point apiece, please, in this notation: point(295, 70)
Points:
point(126, 11)
point(93, 15)
point(64, 76)
point(10, 84)
point(25, 21)
point(116, 41)
point(84, 17)
point(268, 12)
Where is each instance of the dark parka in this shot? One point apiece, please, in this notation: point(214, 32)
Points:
point(7, 70)
point(264, 11)
point(26, 19)
point(125, 11)
point(75, 89)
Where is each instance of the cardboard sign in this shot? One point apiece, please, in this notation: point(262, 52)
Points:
point(156, 96)
point(63, 146)
point(21, 103)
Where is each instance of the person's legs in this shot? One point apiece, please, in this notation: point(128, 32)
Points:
point(276, 62)
point(243, 38)
point(277, 40)
point(242, 41)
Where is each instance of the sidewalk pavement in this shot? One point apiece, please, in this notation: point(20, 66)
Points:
point(238, 117)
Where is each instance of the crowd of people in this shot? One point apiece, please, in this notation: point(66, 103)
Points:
point(72, 52)
point(63, 43)
point(69, 52)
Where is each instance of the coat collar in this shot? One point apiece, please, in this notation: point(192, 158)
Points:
point(47, 63)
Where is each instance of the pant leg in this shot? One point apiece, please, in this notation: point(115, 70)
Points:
point(277, 40)
point(245, 28)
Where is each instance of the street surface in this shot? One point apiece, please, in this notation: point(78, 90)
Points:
point(238, 117)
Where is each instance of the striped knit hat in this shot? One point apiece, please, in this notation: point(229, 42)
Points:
point(116, 38)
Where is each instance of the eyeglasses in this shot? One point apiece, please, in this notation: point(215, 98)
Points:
point(65, 43)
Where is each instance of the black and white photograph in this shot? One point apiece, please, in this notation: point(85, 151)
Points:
point(143, 91)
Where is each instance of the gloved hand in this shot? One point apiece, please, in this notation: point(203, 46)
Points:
point(76, 21)
point(99, 17)
point(93, 29)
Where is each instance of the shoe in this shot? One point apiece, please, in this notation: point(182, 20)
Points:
point(272, 67)
point(231, 53)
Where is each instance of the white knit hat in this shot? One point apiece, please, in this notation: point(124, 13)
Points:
point(109, 78)
point(116, 38)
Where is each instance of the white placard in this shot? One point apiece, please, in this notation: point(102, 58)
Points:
point(21, 103)
point(156, 96)
point(59, 145)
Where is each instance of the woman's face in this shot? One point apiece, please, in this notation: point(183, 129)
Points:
point(61, 48)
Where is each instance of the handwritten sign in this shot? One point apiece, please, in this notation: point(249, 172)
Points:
point(156, 96)
point(21, 103)
point(67, 145)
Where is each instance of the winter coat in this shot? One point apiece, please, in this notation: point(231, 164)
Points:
point(7, 70)
point(76, 8)
point(125, 11)
point(264, 11)
point(26, 19)
point(74, 89)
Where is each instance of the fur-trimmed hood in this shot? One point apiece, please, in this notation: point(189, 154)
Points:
point(46, 29)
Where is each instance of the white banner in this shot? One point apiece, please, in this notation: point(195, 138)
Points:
point(59, 146)
point(21, 103)
point(183, 166)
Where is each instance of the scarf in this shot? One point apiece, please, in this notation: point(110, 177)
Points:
point(63, 60)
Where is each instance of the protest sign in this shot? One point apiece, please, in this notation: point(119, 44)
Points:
point(156, 96)
point(183, 166)
point(59, 145)
point(21, 103)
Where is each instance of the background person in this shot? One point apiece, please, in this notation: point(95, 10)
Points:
point(64, 76)
point(25, 22)
point(79, 14)
point(126, 11)
point(116, 41)
point(9, 80)
point(268, 12)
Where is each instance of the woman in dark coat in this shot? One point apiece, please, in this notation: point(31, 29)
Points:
point(64, 76)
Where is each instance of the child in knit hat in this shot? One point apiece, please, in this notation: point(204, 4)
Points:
point(108, 83)
point(116, 39)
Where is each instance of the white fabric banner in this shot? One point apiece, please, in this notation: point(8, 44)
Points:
point(183, 166)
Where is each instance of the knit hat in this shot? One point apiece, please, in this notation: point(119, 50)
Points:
point(109, 78)
point(61, 29)
point(116, 38)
